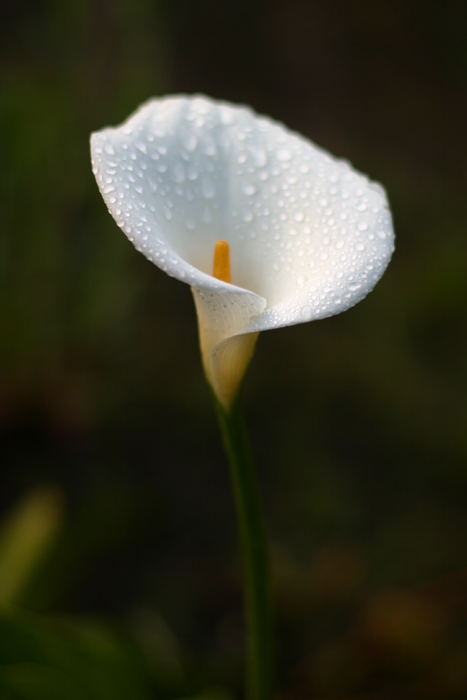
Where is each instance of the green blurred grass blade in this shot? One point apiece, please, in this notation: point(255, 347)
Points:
point(42, 659)
point(25, 537)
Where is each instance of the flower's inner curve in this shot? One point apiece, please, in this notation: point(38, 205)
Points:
point(221, 262)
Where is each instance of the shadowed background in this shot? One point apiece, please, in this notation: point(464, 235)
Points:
point(119, 569)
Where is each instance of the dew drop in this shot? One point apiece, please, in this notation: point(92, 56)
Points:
point(208, 188)
point(248, 188)
point(258, 155)
point(226, 116)
point(108, 148)
point(209, 146)
point(283, 154)
point(190, 142)
point(179, 173)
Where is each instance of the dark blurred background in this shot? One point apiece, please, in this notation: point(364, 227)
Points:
point(119, 568)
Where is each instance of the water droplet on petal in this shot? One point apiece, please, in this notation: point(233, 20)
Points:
point(208, 188)
point(179, 173)
point(209, 146)
point(189, 141)
point(258, 155)
point(283, 154)
point(248, 188)
point(226, 115)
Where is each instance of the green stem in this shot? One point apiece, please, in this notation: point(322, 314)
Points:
point(255, 553)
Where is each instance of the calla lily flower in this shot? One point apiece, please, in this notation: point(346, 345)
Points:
point(304, 236)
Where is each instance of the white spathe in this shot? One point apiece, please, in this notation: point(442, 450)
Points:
point(309, 236)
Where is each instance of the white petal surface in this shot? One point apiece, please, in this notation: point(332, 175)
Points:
point(306, 232)
point(309, 236)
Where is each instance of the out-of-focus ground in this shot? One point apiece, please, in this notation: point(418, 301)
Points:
point(119, 569)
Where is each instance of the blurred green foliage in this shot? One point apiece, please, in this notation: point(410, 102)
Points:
point(124, 573)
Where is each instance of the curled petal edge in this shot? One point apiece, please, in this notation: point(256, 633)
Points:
point(225, 349)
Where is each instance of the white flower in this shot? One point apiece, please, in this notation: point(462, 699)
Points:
point(309, 236)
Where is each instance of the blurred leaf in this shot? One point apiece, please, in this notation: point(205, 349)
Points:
point(50, 660)
point(37, 682)
point(214, 693)
point(159, 645)
point(25, 537)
